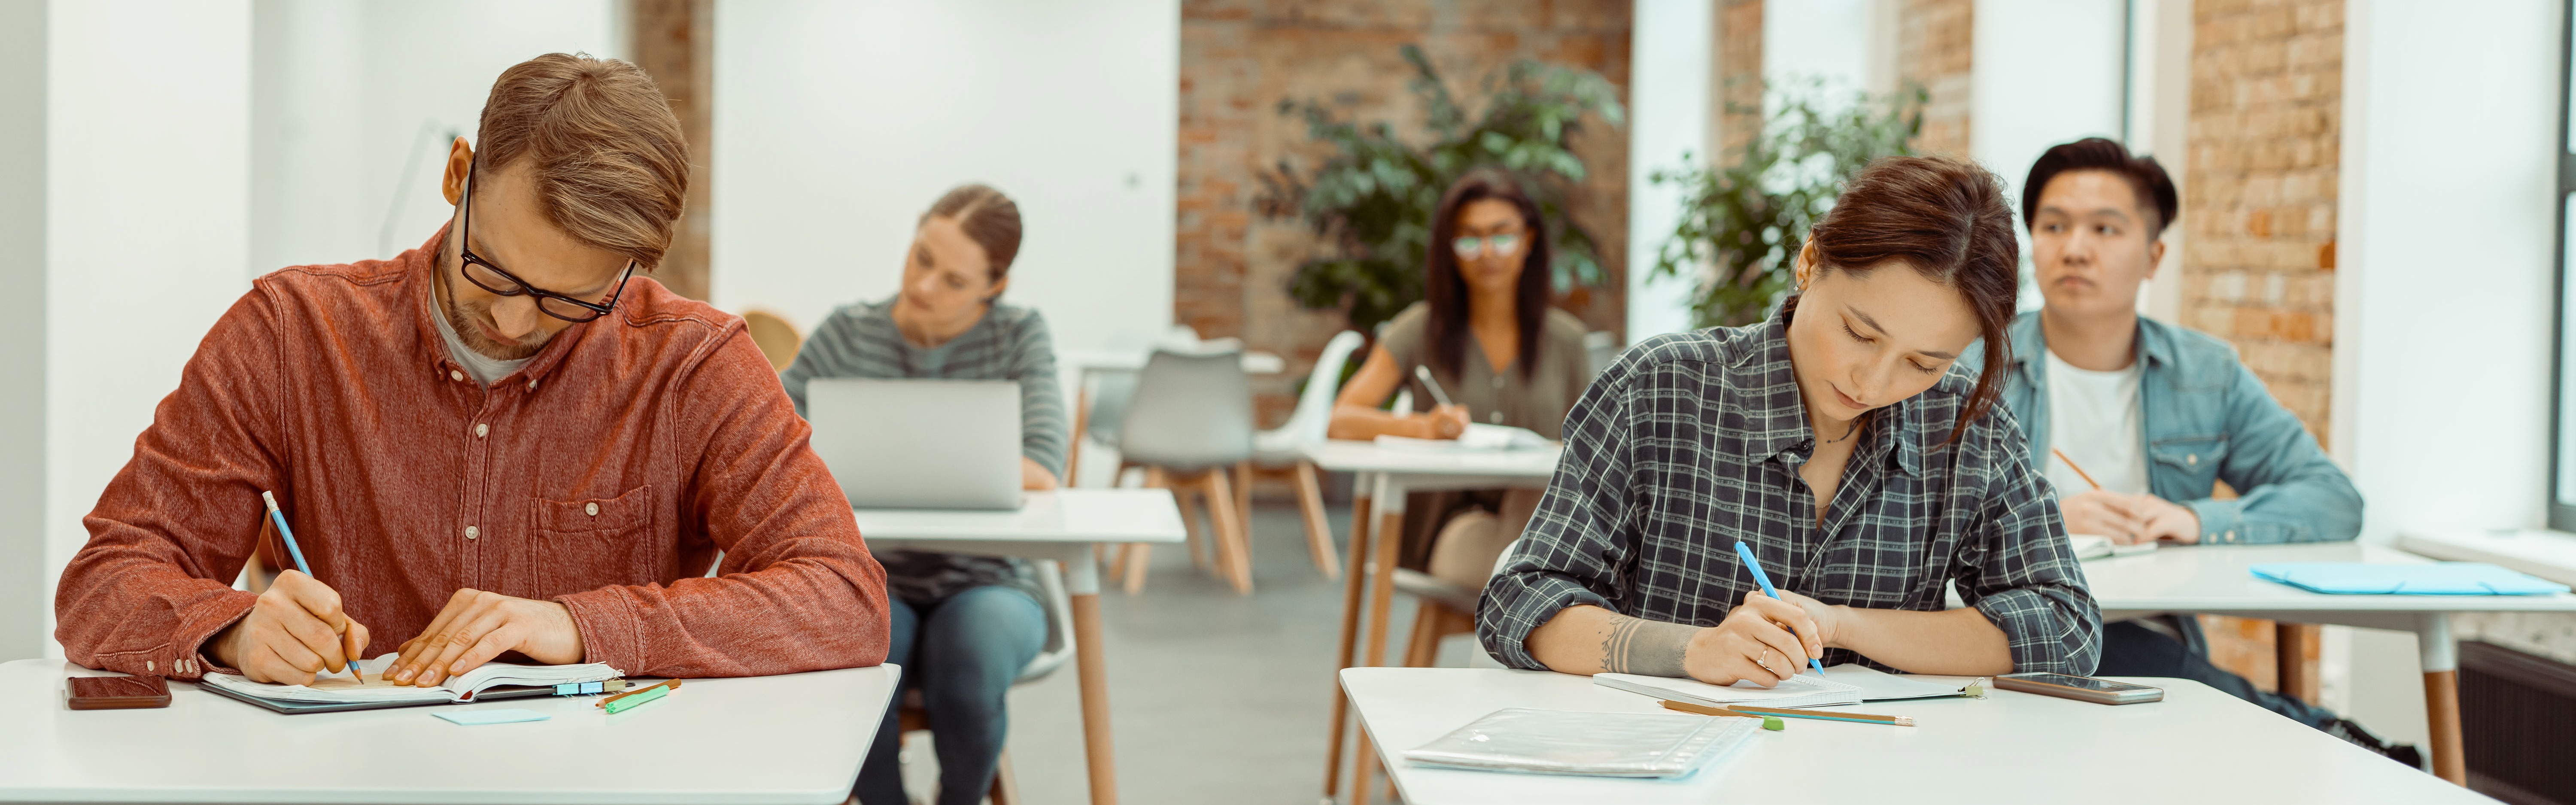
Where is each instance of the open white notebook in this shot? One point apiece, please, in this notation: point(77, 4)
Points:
point(371, 686)
point(1804, 690)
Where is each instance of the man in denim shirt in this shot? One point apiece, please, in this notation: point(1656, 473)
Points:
point(2134, 420)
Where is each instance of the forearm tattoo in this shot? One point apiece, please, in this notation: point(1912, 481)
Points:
point(1640, 646)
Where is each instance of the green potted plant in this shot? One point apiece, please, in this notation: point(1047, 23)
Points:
point(1743, 222)
point(1371, 201)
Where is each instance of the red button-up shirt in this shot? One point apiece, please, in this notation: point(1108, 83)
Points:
point(606, 474)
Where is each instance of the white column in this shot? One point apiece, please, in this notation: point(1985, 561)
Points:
point(1671, 52)
point(147, 232)
point(2047, 72)
point(22, 327)
point(2159, 125)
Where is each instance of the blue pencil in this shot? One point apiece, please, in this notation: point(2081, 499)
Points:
point(1758, 578)
point(288, 534)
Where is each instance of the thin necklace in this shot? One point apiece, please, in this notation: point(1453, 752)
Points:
point(1855, 428)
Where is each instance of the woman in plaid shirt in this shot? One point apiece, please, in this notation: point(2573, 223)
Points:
point(1840, 443)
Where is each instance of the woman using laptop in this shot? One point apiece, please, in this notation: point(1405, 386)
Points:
point(1835, 440)
point(963, 626)
point(1498, 352)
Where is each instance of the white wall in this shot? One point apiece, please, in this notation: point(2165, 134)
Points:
point(148, 226)
point(1671, 56)
point(356, 102)
point(2047, 71)
point(2443, 283)
point(836, 124)
point(22, 326)
point(1818, 39)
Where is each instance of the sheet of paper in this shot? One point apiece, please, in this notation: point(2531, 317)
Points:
point(476, 718)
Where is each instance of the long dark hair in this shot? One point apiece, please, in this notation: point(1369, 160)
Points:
point(1447, 294)
point(1945, 218)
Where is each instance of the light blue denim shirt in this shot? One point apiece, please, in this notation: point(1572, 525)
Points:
point(2208, 419)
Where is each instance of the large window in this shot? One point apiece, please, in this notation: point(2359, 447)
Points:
point(2562, 465)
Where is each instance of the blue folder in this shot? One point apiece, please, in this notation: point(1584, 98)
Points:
point(2442, 578)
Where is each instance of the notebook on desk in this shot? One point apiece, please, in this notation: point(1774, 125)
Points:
point(1803, 690)
point(494, 680)
point(2438, 578)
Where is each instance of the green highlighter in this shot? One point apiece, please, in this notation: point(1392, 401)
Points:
point(625, 703)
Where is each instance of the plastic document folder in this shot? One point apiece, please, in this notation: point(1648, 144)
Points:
point(1530, 741)
point(2441, 578)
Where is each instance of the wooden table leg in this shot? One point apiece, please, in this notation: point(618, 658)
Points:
point(1093, 668)
point(1350, 626)
point(1390, 535)
point(2441, 660)
point(2294, 656)
point(1081, 416)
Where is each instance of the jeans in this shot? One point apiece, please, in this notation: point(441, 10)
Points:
point(962, 652)
point(2129, 649)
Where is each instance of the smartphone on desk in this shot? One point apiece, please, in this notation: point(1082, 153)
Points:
point(2079, 688)
point(116, 692)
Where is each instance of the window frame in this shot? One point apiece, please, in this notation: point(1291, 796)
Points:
point(2562, 511)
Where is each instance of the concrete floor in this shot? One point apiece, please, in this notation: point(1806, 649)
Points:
point(1215, 697)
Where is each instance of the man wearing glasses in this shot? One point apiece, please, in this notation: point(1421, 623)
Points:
point(502, 442)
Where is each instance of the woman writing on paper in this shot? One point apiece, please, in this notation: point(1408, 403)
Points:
point(963, 626)
point(1839, 443)
point(1502, 356)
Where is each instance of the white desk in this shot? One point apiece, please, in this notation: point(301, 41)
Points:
point(1060, 526)
point(2198, 745)
point(1383, 478)
point(2215, 579)
point(797, 738)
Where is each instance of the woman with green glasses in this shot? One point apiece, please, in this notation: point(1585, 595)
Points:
point(1499, 354)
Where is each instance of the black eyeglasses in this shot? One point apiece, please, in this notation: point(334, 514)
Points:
point(490, 277)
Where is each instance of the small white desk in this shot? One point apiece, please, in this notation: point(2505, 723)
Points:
point(1383, 478)
point(2216, 579)
point(2198, 745)
point(797, 738)
point(1061, 526)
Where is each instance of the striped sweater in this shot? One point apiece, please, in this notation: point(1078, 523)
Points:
point(1009, 343)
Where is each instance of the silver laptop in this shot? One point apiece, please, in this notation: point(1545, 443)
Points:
point(919, 444)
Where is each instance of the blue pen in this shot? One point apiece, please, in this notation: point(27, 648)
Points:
point(1758, 578)
point(288, 534)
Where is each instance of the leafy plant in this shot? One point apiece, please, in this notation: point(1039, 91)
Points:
point(1743, 223)
point(1373, 199)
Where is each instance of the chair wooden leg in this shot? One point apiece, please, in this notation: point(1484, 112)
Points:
point(1234, 557)
point(1136, 556)
point(1242, 483)
point(1073, 446)
point(1424, 643)
point(1184, 494)
point(1319, 531)
point(1006, 789)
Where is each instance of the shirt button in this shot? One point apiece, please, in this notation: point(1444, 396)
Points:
point(2192, 460)
point(532, 384)
point(2231, 536)
point(147, 665)
point(1496, 418)
point(591, 508)
point(480, 429)
point(1498, 381)
point(455, 375)
point(472, 532)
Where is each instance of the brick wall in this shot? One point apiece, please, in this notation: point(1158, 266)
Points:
point(2259, 205)
point(1935, 47)
point(1239, 58)
point(1739, 76)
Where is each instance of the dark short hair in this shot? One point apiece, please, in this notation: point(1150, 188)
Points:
point(2155, 189)
point(1946, 220)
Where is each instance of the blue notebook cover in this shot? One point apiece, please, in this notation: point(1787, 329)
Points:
point(2442, 578)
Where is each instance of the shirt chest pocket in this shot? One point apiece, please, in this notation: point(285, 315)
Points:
point(2195, 457)
point(591, 543)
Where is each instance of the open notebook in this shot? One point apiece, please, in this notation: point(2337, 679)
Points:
point(1843, 684)
point(1480, 437)
point(340, 692)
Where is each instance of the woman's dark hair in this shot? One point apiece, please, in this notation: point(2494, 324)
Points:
point(988, 218)
point(1447, 293)
point(1947, 220)
point(2155, 189)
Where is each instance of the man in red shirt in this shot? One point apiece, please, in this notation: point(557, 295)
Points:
point(506, 440)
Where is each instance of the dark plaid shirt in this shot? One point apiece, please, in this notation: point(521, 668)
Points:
point(1692, 441)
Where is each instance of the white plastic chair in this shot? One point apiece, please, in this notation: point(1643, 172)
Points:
point(1281, 446)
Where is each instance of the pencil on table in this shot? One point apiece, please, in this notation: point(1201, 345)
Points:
point(1827, 715)
point(1768, 722)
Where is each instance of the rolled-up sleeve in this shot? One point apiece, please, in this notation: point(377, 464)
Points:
point(2021, 573)
point(1575, 543)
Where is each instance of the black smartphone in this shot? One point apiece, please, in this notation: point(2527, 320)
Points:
point(2079, 688)
point(117, 692)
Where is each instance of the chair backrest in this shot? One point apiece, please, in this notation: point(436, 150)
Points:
point(1191, 412)
point(777, 339)
point(1314, 414)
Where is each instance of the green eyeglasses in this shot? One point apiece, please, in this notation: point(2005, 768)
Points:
point(1503, 245)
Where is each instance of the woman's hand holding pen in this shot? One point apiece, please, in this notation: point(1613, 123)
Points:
point(1443, 422)
point(295, 632)
point(477, 626)
point(1763, 641)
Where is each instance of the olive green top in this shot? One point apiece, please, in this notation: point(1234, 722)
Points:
point(1536, 400)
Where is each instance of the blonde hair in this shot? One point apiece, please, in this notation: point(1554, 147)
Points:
point(607, 158)
point(989, 218)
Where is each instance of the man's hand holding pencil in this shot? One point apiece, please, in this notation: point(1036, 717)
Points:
point(292, 635)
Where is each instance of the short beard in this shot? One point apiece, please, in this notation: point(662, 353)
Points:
point(460, 314)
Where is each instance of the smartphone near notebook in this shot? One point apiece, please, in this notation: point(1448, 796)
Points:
point(491, 681)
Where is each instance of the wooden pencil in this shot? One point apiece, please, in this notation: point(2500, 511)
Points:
point(1768, 722)
point(2079, 471)
point(1827, 715)
point(673, 684)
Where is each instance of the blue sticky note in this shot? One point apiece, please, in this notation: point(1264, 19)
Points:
point(568, 689)
point(590, 687)
point(476, 718)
